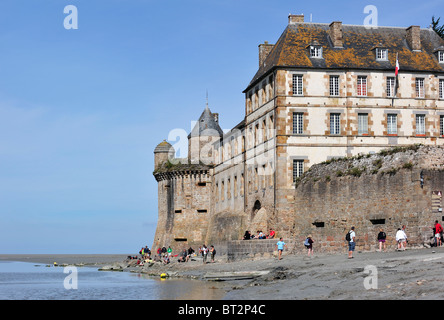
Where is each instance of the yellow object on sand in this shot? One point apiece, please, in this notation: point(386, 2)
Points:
point(163, 275)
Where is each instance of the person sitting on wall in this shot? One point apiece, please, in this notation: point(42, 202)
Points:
point(247, 235)
point(271, 234)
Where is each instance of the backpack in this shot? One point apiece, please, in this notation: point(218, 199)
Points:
point(347, 236)
point(306, 243)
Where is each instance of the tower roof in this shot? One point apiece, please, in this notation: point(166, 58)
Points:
point(164, 146)
point(207, 125)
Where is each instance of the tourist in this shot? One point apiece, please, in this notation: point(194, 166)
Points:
point(309, 244)
point(351, 242)
point(247, 235)
point(280, 247)
point(169, 251)
point(401, 239)
point(159, 253)
point(204, 253)
point(271, 234)
point(381, 239)
point(438, 232)
point(213, 253)
point(190, 252)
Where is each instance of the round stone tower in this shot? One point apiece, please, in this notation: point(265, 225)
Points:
point(162, 153)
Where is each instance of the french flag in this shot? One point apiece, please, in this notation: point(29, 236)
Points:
point(396, 76)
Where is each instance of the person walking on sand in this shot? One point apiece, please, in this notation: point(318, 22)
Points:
point(213, 253)
point(401, 239)
point(351, 242)
point(280, 247)
point(204, 254)
point(438, 231)
point(309, 244)
point(381, 239)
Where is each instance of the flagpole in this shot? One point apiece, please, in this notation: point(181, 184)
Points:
point(396, 80)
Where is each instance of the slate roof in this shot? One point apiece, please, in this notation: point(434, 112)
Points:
point(206, 125)
point(358, 52)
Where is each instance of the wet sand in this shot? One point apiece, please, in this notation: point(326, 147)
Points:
point(86, 259)
point(408, 275)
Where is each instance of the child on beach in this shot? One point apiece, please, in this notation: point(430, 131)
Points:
point(280, 247)
point(309, 244)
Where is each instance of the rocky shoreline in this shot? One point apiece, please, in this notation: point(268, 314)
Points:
point(411, 274)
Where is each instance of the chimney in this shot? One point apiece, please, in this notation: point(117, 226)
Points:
point(264, 50)
point(414, 38)
point(295, 18)
point(336, 34)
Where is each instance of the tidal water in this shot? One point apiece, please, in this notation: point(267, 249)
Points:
point(32, 281)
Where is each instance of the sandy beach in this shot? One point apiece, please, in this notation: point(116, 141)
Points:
point(411, 274)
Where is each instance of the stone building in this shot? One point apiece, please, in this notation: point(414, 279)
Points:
point(322, 91)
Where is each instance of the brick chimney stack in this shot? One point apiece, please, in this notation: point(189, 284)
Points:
point(264, 50)
point(336, 34)
point(414, 38)
point(295, 18)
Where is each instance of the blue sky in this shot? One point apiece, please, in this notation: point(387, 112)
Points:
point(81, 111)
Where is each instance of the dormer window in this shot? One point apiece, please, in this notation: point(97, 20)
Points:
point(441, 56)
point(381, 54)
point(315, 51)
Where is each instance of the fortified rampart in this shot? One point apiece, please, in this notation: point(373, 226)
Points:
point(398, 186)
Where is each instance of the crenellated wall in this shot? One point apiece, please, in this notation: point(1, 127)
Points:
point(371, 192)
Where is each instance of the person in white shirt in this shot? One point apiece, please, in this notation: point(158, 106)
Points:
point(351, 243)
point(401, 238)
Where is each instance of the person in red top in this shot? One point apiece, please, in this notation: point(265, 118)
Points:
point(438, 231)
point(271, 234)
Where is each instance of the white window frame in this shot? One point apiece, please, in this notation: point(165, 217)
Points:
point(441, 88)
point(362, 123)
point(381, 54)
point(298, 122)
point(298, 169)
point(441, 56)
point(390, 89)
point(362, 86)
point(335, 123)
point(334, 86)
point(298, 85)
point(420, 124)
point(441, 125)
point(420, 87)
point(392, 123)
point(316, 52)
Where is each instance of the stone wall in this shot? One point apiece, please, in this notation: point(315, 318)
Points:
point(372, 192)
point(253, 249)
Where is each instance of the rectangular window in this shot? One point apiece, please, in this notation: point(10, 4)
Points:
point(382, 54)
point(441, 125)
point(362, 86)
point(441, 88)
point(420, 124)
point(315, 52)
point(392, 124)
point(441, 56)
point(298, 169)
point(334, 85)
point(335, 123)
point(298, 123)
point(362, 123)
point(419, 84)
point(390, 86)
point(297, 85)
